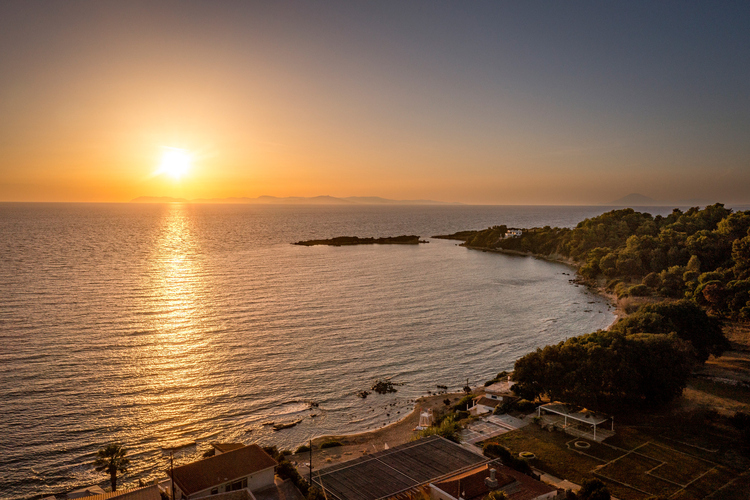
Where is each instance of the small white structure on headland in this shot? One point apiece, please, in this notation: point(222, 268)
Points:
point(513, 233)
point(425, 420)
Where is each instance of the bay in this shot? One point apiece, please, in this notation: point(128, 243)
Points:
point(156, 324)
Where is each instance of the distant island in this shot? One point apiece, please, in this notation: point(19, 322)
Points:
point(294, 200)
point(354, 240)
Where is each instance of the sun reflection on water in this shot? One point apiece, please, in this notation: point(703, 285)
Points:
point(173, 366)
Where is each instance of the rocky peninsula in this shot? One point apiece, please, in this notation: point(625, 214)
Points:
point(355, 240)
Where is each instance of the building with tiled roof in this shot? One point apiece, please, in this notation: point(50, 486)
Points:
point(477, 483)
point(220, 448)
point(248, 468)
point(483, 405)
point(151, 492)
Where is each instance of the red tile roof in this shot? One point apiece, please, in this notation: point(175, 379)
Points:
point(219, 469)
point(517, 485)
point(143, 493)
point(225, 447)
point(481, 400)
point(472, 483)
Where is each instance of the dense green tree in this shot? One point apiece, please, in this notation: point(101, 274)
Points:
point(111, 459)
point(679, 249)
point(684, 318)
point(741, 257)
point(593, 489)
point(607, 369)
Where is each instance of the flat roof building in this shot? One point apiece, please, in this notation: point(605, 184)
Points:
point(395, 471)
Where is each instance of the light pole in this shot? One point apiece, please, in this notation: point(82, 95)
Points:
point(171, 467)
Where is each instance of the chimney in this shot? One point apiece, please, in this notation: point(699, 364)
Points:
point(491, 481)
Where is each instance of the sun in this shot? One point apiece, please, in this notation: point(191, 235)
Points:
point(175, 162)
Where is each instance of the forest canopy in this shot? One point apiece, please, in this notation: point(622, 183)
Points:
point(700, 255)
point(697, 265)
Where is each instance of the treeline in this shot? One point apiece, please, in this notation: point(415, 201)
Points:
point(624, 367)
point(702, 255)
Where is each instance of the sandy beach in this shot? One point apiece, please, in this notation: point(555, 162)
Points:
point(356, 445)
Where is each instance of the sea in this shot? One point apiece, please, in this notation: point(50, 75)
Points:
point(161, 324)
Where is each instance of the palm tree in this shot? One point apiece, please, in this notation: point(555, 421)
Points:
point(111, 459)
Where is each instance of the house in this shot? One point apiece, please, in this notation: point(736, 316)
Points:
point(478, 482)
point(396, 472)
point(220, 448)
point(248, 467)
point(513, 233)
point(483, 405)
point(501, 391)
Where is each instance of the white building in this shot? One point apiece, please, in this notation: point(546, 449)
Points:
point(483, 405)
point(500, 391)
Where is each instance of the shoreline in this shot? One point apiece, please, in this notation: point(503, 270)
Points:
point(619, 309)
point(357, 444)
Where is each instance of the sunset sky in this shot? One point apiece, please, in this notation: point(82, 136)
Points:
point(477, 102)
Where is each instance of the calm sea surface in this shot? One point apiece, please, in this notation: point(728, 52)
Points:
point(156, 324)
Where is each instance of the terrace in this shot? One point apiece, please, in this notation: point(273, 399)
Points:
point(575, 421)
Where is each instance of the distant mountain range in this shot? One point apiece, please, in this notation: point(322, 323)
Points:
point(294, 200)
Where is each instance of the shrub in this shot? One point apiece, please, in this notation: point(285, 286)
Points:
point(524, 405)
point(286, 470)
point(302, 449)
point(463, 403)
point(652, 280)
point(460, 415)
point(639, 291)
point(447, 428)
point(593, 489)
point(621, 290)
point(494, 450)
point(314, 493)
point(330, 444)
point(496, 495)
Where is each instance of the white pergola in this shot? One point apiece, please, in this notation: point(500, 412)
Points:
point(576, 414)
